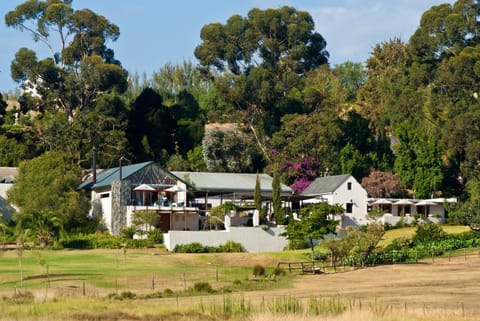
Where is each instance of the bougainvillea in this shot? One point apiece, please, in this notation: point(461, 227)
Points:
point(300, 173)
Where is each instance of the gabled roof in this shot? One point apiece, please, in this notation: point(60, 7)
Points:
point(326, 184)
point(107, 176)
point(217, 183)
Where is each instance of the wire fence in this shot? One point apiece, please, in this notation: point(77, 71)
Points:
point(361, 260)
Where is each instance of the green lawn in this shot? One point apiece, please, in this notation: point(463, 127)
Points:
point(390, 235)
point(136, 270)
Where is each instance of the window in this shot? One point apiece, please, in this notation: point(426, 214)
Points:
point(349, 207)
point(349, 186)
point(104, 195)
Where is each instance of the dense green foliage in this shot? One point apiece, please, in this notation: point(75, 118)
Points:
point(229, 247)
point(267, 74)
point(316, 221)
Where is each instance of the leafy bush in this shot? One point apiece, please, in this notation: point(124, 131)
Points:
point(278, 271)
point(195, 247)
point(129, 232)
point(298, 244)
point(318, 256)
point(258, 270)
point(231, 247)
point(203, 287)
point(127, 295)
point(428, 233)
point(399, 243)
point(102, 241)
point(168, 292)
point(156, 236)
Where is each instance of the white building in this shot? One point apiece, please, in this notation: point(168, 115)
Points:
point(7, 177)
point(343, 190)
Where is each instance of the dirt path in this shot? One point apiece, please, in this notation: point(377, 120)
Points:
point(443, 284)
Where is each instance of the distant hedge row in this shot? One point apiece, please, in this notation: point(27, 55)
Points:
point(93, 241)
point(195, 247)
point(404, 250)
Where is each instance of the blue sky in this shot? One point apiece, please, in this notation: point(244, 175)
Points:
point(153, 32)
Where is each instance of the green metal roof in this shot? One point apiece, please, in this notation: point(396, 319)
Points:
point(325, 184)
point(107, 176)
point(229, 182)
point(213, 183)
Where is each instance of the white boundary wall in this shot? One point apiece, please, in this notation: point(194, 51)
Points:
point(253, 239)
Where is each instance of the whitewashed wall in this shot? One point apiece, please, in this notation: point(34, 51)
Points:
point(253, 239)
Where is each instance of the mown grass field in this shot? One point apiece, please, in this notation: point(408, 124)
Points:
point(75, 285)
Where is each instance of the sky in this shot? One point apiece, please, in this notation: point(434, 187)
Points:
point(156, 32)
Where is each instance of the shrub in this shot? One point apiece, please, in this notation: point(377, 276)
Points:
point(204, 287)
point(278, 271)
point(398, 244)
point(232, 247)
point(129, 232)
point(318, 256)
point(102, 241)
point(298, 244)
point(428, 233)
point(77, 243)
point(139, 244)
point(127, 295)
point(156, 236)
point(258, 270)
point(168, 292)
point(194, 247)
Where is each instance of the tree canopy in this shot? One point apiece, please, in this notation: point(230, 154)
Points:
point(410, 112)
point(46, 187)
point(79, 69)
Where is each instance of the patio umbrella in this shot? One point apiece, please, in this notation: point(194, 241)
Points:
point(175, 188)
point(382, 201)
point(144, 188)
point(402, 205)
point(404, 202)
point(426, 204)
point(383, 204)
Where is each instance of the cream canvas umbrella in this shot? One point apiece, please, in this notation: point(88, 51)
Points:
point(174, 190)
point(402, 204)
point(383, 203)
point(426, 204)
point(144, 188)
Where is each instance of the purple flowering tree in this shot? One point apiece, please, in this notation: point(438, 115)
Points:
point(301, 172)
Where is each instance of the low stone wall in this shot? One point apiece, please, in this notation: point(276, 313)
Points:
point(253, 239)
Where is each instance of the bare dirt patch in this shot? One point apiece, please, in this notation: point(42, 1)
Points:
point(442, 284)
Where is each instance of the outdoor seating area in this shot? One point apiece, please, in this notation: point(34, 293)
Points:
point(408, 209)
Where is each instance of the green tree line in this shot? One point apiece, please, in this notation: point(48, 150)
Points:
point(262, 98)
